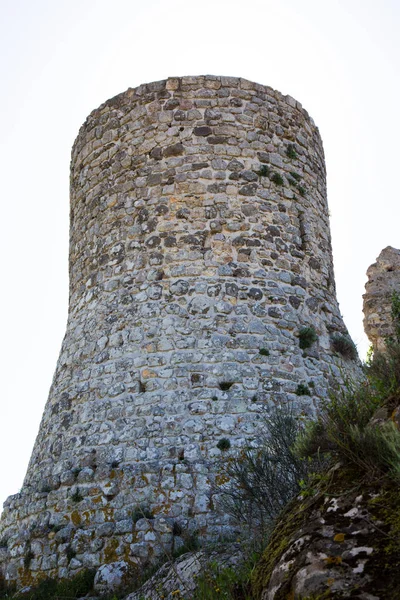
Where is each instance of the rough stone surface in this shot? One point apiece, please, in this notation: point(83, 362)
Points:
point(199, 236)
point(111, 577)
point(383, 280)
point(344, 542)
point(179, 578)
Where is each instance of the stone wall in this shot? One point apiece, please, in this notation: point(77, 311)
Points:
point(199, 249)
point(383, 280)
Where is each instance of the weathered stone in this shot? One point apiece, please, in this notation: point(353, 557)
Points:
point(156, 153)
point(202, 131)
point(248, 190)
point(112, 576)
point(179, 578)
point(383, 281)
point(174, 150)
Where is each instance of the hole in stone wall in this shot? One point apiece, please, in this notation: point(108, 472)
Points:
point(142, 387)
point(181, 454)
point(225, 385)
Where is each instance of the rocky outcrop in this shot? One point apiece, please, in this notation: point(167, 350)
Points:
point(342, 542)
point(179, 578)
point(383, 280)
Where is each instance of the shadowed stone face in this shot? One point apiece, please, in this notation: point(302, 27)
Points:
point(199, 248)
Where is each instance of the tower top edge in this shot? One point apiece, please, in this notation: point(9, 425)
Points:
point(189, 83)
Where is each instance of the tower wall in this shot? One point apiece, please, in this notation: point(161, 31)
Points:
point(199, 237)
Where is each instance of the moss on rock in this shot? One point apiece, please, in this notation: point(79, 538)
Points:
point(344, 541)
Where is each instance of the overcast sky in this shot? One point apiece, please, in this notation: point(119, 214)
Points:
point(61, 59)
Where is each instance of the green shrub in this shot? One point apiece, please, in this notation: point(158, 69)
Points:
point(344, 346)
point(50, 589)
point(262, 480)
point(344, 430)
point(219, 582)
point(312, 441)
point(295, 175)
point(384, 372)
point(307, 337)
point(77, 496)
point(302, 190)
point(76, 471)
point(223, 444)
point(291, 151)
point(277, 179)
point(383, 368)
point(395, 313)
point(303, 390)
point(263, 171)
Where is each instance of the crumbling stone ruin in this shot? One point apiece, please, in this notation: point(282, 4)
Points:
point(383, 281)
point(201, 293)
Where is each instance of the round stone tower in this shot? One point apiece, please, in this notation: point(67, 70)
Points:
point(200, 271)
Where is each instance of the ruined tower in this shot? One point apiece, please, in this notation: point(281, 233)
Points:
point(200, 261)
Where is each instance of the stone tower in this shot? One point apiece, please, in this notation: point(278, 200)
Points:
point(199, 253)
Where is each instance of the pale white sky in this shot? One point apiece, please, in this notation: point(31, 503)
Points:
point(61, 59)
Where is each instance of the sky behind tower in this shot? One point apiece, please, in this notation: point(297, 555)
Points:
point(60, 60)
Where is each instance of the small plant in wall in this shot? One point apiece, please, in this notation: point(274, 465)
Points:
point(277, 179)
point(76, 471)
point(223, 444)
point(342, 344)
point(76, 496)
point(291, 151)
point(302, 190)
point(263, 171)
point(303, 390)
point(307, 337)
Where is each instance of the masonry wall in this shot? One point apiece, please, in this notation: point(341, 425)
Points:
point(383, 282)
point(199, 248)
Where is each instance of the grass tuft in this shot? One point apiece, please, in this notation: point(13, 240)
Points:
point(307, 337)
